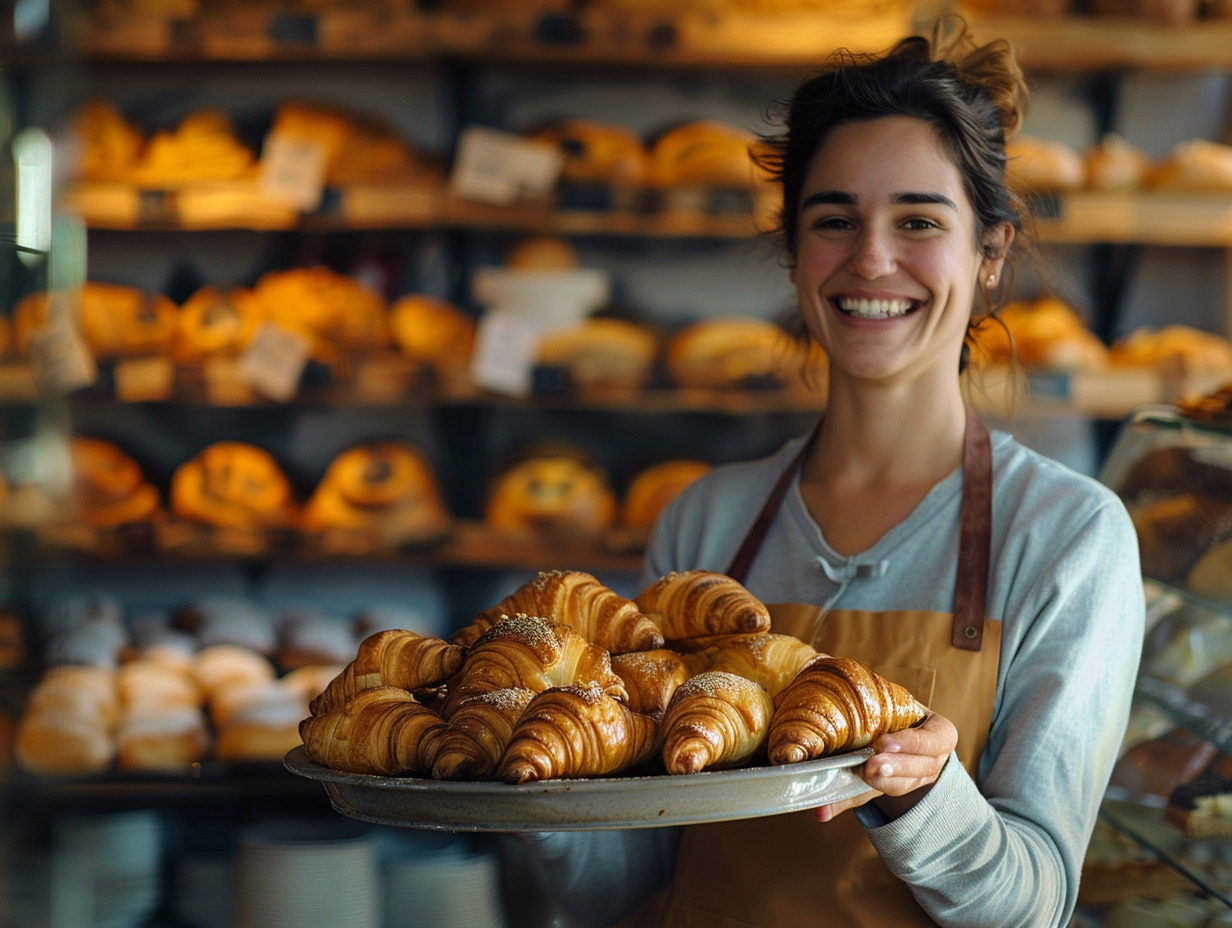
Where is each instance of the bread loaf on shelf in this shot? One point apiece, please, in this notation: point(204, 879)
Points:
point(560, 491)
point(108, 485)
point(730, 352)
point(654, 487)
point(232, 484)
point(433, 332)
point(215, 323)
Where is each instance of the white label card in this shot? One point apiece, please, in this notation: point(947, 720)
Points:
point(506, 347)
point(293, 170)
point(492, 166)
point(274, 360)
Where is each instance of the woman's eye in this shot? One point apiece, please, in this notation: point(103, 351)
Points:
point(919, 223)
point(831, 222)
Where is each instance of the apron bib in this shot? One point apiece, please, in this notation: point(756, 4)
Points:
point(791, 870)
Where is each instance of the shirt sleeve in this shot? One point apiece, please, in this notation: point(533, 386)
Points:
point(1009, 850)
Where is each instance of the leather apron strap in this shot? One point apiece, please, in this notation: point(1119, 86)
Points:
point(975, 531)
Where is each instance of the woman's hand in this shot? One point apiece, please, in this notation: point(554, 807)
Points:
point(903, 769)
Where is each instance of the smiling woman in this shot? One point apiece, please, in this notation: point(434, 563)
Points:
point(958, 564)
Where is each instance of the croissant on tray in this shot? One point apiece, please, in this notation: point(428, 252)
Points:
point(577, 731)
point(532, 653)
point(692, 603)
point(381, 731)
point(392, 657)
point(650, 678)
point(837, 704)
point(768, 659)
point(475, 738)
point(715, 720)
point(576, 599)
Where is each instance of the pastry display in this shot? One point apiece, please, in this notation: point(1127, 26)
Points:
point(1215, 406)
point(69, 721)
point(703, 153)
point(541, 253)
point(551, 489)
point(596, 152)
point(161, 739)
point(1174, 533)
point(1037, 165)
point(1194, 165)
point(729, 352)
point(434, 333)
point(232, 484)
point(531, 698)
point(358, 148)
point(108, 487)
point(334, 313)
point(108, 144)
point(215, 322)
point(1180, 346)
point(1038, 333)
point(601, 352)
point(386, 492)
point(576, 599)
point(1202, 808)
point(654, 487)
point(203, 147)
point(119, 321)
point(1115, 164)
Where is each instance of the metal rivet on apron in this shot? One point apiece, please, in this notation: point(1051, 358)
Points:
point(970, 631)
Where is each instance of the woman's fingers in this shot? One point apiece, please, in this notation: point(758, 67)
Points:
point(827, 812)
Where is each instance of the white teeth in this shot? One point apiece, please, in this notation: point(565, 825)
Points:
point(874, 309)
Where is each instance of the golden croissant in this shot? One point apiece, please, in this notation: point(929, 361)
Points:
point(393, 657)
point(532, 653)
point(769, 659)
point(650, 677)
point(837, 704)
point(472, 744)
point(577, 731)
point(692, 603)
point(382, 731)
point(715, 719)
point(576, 599)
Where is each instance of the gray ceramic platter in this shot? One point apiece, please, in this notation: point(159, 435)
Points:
point(576, 805)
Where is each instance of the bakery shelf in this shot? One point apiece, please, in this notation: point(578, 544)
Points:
point(1085, 43)
point(1198, 219)
point(594, 37)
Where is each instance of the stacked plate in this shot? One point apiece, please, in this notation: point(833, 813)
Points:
point(307, 874)
point(452, 886)
point(204, 890)
point(106, 870)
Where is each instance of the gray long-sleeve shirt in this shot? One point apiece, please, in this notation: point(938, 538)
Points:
point(1067, 589)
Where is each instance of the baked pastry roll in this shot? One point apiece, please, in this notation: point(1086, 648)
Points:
point(769, 660)
point(213, 322)
point(108, 487)
point(597, 152)
point(335, 313)
point(651, 677)
point(559, 491)
point(577, 731)
point(1179, 345)
point(716, 719)
point(1034, 164)
point(386, 490)
point(232, 484)
point(837, 704)
point(358, 148)
point(1039, 333)
point(202, 148)
point(381, 731)
point(601, 352)
point(119, 321)
point(1115, 164)
point(477, 734)
point(656, 486)
point(729, 351)
point(696, 603)
point(393, 657)
point(576, 599)
point(108, 144)
point(533, 653)
point(433, 332)
point(704, 153)
point(1195, 165)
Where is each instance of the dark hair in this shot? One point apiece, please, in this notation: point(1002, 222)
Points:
point(974, 96)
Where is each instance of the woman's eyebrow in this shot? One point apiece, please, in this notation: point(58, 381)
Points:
point(832, 197)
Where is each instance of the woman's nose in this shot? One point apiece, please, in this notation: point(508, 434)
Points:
point(871, 256)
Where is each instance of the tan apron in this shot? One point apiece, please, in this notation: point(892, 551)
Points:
point(791, 870)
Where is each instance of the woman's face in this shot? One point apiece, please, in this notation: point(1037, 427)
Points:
point(887, 262)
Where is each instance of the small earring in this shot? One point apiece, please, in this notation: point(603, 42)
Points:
point(992, 279)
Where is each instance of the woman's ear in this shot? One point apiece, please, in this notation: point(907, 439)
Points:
point(995, 248)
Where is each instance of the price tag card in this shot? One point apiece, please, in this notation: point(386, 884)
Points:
point(58, 354)
point(274, 361)
point(144, 380)
point(506, 347)
point(498, 167)
point(293, 170)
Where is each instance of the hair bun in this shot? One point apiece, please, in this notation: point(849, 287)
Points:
point(990, 68)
